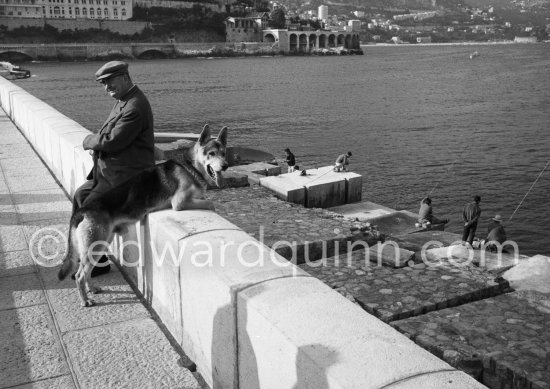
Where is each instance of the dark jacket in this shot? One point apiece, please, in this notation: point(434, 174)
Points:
point(290, 159)
point(125, 144)
point(471, 213)
point(495, 232)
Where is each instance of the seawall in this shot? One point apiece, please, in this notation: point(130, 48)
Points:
point(245, 315)
point(110, 51)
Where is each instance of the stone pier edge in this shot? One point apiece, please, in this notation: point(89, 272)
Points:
point(244, 326)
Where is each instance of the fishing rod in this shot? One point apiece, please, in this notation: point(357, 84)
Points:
point(532, 186)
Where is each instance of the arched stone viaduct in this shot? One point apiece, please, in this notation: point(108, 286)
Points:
point(28, 52)
point(307, 41)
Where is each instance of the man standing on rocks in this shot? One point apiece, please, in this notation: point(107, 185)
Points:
point(124, 146)
point(470, 216)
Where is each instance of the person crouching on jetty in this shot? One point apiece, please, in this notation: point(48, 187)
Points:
point(341, 162)
point(495, 234)
point(425, 214)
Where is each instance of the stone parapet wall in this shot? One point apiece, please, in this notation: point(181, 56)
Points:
point(247, 317)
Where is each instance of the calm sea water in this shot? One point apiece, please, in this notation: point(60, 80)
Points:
point(419, 120)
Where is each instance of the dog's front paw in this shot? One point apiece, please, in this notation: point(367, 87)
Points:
point(88, 303)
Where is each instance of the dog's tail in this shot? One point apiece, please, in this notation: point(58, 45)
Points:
point(67, 265)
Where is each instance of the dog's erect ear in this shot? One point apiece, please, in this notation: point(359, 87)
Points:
point(222, 136)
point(205, 135)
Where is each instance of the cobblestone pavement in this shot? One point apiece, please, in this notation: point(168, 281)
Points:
point(392, 294)
point(505, 338)
point(274, 222)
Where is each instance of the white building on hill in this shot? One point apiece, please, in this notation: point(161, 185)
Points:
point(67, 9)
point(323, 12)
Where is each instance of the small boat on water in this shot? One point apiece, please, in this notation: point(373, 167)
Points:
point(11, 72)
point(474, 54)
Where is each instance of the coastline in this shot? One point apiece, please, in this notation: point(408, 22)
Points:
point(450, 44)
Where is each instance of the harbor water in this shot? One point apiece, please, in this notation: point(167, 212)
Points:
point(420, 120)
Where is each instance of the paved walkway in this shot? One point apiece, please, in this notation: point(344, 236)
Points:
point(47, 340)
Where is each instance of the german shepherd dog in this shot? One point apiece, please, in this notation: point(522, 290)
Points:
point(168, 184)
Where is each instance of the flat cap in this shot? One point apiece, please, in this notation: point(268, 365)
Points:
point(111, 69)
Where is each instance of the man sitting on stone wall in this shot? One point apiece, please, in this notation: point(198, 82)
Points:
point(124, 146)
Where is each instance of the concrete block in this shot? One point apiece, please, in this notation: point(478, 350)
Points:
point(159, 279)
point(319, 339)
point(254, 179)
point(215, 265)
point(21, 291)
point(323, 194)
point(49, 204)
point(13, 237)
point(83, 164)
point(30, 349)
point(53, 156)
point(22, 108)
point(288, 187)
point(117, 301)
point(68, 144)
point(234, 180)
point(364, 210)
point(34, 182)
point(128, 251)
point(273, 170)
point(354, 187)
point(323, 187)
point(16, 263)
point(41, 114)
point(390, 254)
point(145, 357)
point(530, 274)
point(265, 169)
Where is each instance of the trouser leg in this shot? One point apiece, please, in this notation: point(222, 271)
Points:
point(465, 233)
point(472, 233)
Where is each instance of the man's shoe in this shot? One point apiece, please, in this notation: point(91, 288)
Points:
point(103, 267)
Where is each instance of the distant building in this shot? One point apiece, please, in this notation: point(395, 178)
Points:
point(246, 29)
point(21, 9)
point(525, 39)
point(299, 41)
point(323, 12)
point(359, 14)
point(67, 9)
point(355, 25)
